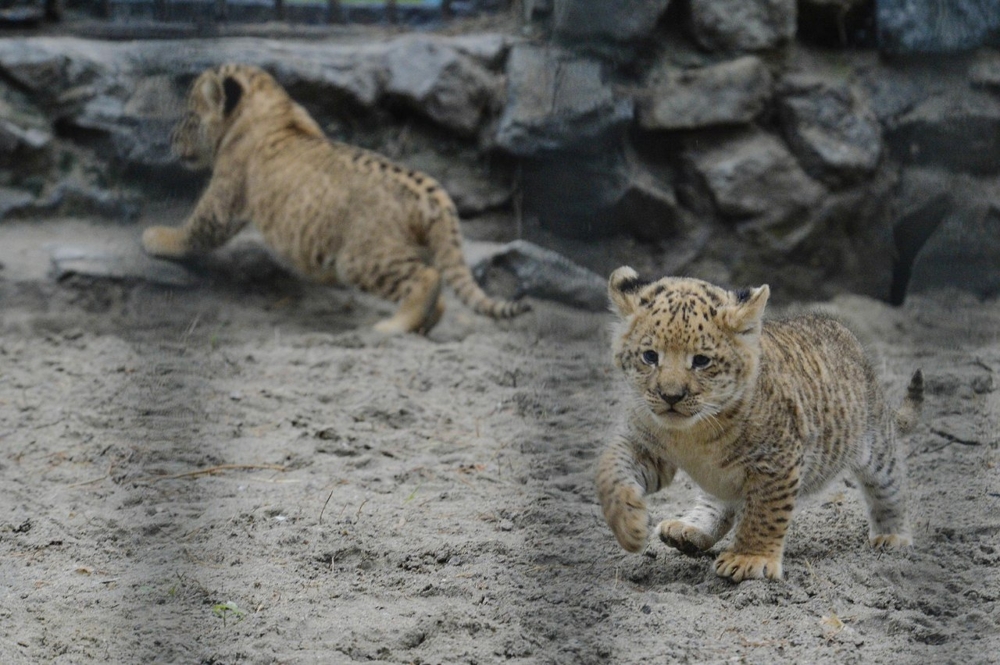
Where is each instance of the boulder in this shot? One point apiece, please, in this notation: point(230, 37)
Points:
point(558, 101)
point(26, 142)
point(625, 21)
point(923, 199)
point(985, 71)
point(440, 83)
point(964, 250)
point(742, 25)
point(753, 180)
point(539, 273)
point(648, 208)
point(14, 202)
point(475, 187)
point(830, 128)
point(99, 263)
point(70, 197)
point(489, 49)
point(575, 195)
point(836, 23)
point(730, 93)
point(959, 132)
point(850, 243)
point(935, 26)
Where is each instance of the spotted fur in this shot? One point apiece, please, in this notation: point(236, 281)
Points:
point(338, 213)
point(757, 413)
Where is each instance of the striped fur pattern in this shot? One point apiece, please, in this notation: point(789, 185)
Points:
point(338, 213)
point(757, 413)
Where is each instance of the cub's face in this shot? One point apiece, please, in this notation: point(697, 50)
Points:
point(688, 349)
point(210, 107)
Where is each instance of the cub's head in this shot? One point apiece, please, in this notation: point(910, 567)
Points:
point(688, 349)
point(217, 98)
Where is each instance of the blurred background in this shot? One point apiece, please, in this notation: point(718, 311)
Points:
point(822, 146)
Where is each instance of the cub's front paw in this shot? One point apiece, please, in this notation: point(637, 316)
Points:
point(890, 541)
point(625, 512)
point(165, 242)
point(739, 567)
point(684, 537)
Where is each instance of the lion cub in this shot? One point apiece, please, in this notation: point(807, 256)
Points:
point(757, 413)
point(338, 213)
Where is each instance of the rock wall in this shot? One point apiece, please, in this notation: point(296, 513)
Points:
point(706, 130)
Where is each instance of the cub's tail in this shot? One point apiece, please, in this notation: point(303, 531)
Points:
point(909, 410)
point(445, 241)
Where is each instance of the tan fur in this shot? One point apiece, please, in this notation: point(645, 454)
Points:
point(336, 212)
point(757, 413)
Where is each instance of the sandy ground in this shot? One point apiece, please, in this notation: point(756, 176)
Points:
point(241, 472)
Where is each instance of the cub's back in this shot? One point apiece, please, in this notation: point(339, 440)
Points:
point(816, 380)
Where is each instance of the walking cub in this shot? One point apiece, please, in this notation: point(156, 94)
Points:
point(757, 413)
point(338, 213)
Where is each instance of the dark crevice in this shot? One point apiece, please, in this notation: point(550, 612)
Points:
point(910, 233)
point(833, 26)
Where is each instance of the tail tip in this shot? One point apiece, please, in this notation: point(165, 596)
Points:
point(516, 308)
point(916, 388)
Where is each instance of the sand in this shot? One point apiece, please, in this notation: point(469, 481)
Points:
point(242, 473)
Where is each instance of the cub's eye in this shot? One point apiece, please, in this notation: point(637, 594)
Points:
point(650, 357)
point(700, 362)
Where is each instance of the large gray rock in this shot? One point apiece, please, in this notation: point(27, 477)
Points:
point(730, 93)
point(936, 26)
point(754, 181)
point(830, 128)
point(69, 197)
point(963, 252)
point(99, 263)
point(742, 25)
point(40, 69)
point(835, 23)
point(26, 144)
point(475, 187)
point(923, 199)
point(849, 241)
point(985, 71)
point(558, 101)
point(539, 273)
point(440, 83)
point(616, 20)
point(960, 132)
point(489, 49)
point(575, 195)
point(648, 208)
point(14, 202)
point(121, 99)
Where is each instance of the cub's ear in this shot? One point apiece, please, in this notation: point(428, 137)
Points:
point(745, 315)
point(233, 92)
point(210, 89)
point(222, 94)
point(623, 289)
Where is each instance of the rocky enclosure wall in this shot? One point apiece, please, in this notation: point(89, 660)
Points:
point(706, 127)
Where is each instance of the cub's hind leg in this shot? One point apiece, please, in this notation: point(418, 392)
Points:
point(700, 528)
point(882, 475)
point(400, 276)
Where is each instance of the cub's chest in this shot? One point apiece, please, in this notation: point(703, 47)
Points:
point(704, 462)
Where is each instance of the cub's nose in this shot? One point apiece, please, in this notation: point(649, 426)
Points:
point(673, 399)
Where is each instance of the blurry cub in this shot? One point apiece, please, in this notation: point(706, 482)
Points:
point(338, 213)
point(755, 412)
